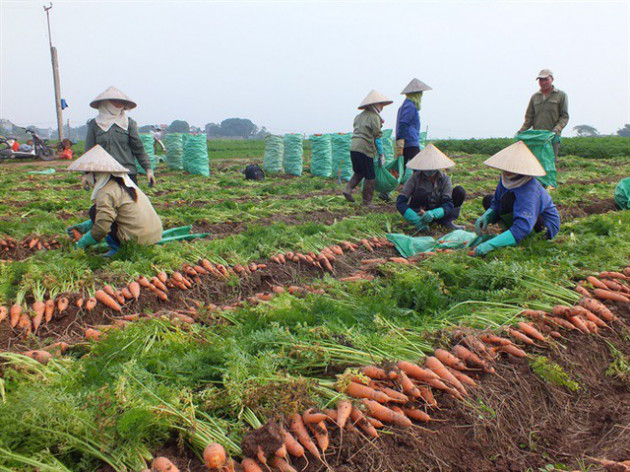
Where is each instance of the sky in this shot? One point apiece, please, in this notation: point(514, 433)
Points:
point(304, 66)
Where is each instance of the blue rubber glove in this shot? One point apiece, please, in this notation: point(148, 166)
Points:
point(378, 142)
point(86, 241)
point(413, 218)
point(81, 227)
point(482, 222)
point(504, 239)
point(430, 215)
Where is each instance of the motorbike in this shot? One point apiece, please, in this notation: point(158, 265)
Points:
point(39, 150)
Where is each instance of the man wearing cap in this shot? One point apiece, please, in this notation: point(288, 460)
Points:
point(520, 203)
point(366, 146)
point(548, 109)
point(428, 196)
point(121, 211)
point(117, 133)
point(408, 120)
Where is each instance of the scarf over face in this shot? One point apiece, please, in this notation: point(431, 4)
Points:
point(515, 181)
point(99, 179)
point(109, 115)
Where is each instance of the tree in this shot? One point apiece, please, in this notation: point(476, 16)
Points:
point(213, 130)
point(238, 127)
point(625, 131)
point(179, 126)
point(585, 130)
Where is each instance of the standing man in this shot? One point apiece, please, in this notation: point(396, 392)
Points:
point(548, 109)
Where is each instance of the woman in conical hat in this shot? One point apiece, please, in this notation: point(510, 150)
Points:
point(428, 196)
point(366, 145)
point(121, 211)
point(118, 134)
point(520, 203)
point(408, 120)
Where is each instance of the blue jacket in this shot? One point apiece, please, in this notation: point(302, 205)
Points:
point(530, 201)
point(408, 124)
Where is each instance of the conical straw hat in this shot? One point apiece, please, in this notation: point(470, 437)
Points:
point(112, 93)
point(430, 158)
point(97, 159)
point(517, 159)
point(415, 86)
point(373, 98)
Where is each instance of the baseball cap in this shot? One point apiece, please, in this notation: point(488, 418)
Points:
point(543, 74)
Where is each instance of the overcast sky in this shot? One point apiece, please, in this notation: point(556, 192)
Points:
point(305, 66)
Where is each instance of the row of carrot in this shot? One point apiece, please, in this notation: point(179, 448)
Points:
point(34, 243)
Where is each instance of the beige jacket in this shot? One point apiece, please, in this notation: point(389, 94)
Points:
point(367, 127)
point(137, 221)
point(551, 113)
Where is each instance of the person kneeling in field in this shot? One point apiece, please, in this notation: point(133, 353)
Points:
point(520, 202)
point(428, 196)
point(121, 211)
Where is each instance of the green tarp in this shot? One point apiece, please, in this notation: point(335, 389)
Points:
point(409, 246)
point(321, 155)
point(181, 233)
point(622, 194)
point(293, 152)
point(147, 143)
point(174, 144)
point(274, 151)
point(539, 143)
point(341, 155)
point(195, 159)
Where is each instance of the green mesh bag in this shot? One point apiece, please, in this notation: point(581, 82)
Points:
point(274, 152)
point(195, 159)
point(321, 155)
point(341, 163)
point(293, 154)
point(622, 194)
point(539, 143)
point(174, 145)
point(147, 143)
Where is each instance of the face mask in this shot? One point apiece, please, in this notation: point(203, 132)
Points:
point(429, 173)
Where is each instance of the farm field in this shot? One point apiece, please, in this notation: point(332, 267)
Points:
point(260, 337)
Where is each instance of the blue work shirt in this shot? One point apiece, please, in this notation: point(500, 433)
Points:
point(408, 124)
point(530, 201)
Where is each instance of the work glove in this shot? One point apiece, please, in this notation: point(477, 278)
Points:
point(482, 222)
point(504, 239)
point(400, 147)
point(81, 227)
point(86, 241)
point(413, 218)
point(150, 178)
point(430, 215)
point(381, 160)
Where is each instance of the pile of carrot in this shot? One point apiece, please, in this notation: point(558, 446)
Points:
point(614, 286)
point(33, 243)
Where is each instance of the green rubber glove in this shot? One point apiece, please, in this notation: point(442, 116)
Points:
point(504, 239)
point(430, 215)
point(413, 218)
point(81, 227)
point(482, 222)
point(86, 241)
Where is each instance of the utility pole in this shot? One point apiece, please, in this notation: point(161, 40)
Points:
point(55, 66)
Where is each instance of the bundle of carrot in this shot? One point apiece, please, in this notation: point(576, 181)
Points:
point(614, 286)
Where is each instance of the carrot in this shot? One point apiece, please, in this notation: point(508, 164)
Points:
point(416, 372)
point(367, 245)
point(250, 465)
point(561, 310)
point(260, 455)
point(374, 422)
point(76, 234)
point(297, 427)
point(561, 322)
point(25, 324)
point(293, 446)
point(583, 312)
point(79, 302)
point(417, 415)
point(427, 395)
point(358, 419)
point(126, 293)
point(107, 300)
point(614, 286)
point(162, 464)
point(582, 291)
point(159, 284)
point(59, 346)
point(280, 464)
point(492, 339)
point(436, 366)
point(281, 451)
point(472, 359)
point(62, 304)
point(134, 289)
point(40, 356)
point(533, 314)
point(38, 309)
point(143, 281)
point(321, 434)
point(531, 331)
point(344, 407)
point(579, 324)
point(93, 334)
point(3, 313)
point(407, 385)
point(362, 391)
point(90, 303)
point(336, 250)
point(595, 282)
point(14, 314)
point(49, 310)
point(214, 456)
point(608, 295)
point(463, 378)
point(449, 359)
point(592, 327)
point(521, 336)
point(399, 260)
point(513, 350)
point(385, 414)
point(613, 275)
point(395, 395)
point(310, 416)
point(162, 276)
point(375, 373)
point(598, 308)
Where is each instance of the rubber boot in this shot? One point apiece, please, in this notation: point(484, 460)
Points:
point(448, 222)
point(113, 246)
point(353, 182)
point(368, 192)
point(385, 196)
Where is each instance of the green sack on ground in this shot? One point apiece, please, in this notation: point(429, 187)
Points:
point(147, 143)
point(48, 171)
point(321, 155)
point(341, 163)
point(409, 246)
point(195, 159)
point(174, 144)
point(293, 154)
point(274, 152)
point(622, 194)
point(539, 143)
point(457, 239)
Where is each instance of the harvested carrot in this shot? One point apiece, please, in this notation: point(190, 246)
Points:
point(321, 434)
point(362, 391)
point(417, 415)
point(589, 315)
point(143, 281)
point(463, 378)
point(79, 302)
point(582, 291)
point(579, 324)
point(93, 334)
point(375, 373)
point(436, 366)
point(531, 331)
point(299, 430)
point(613, 275)
point(59, 346)
point(90, 303)
point(609, 295)
point(282, 451)
point(344, 407)
point(162, 464)
point(512, 350)
point(561, 310)
point(472, 359)
point(382, 413)
point(395, 395)
point(598, 308)
point(614, 286)
point(3, 313)
point(416, 372)
point(40, 356)
point(14, 314)
point(374, 422)
point(358, 419)
point(449, 359)
point(492, 339)
point(407, 385)
point(427, 395)
point(107, 300)
point(293, 446)
point(311, 416)
point(159, 284)
point(521, 336)
point(367, 245)
point(126, 293)
point(134, 289)
point(280, 464)
point(336, 250)
point(595, 282)
point(561, 322)
point(25, 323)
point(62, 304)
point(38, 314)
point(76, 234)
point(250, 465)
point(49, 310)
point(592, 327)
point(162, 276)
point(398, 260)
